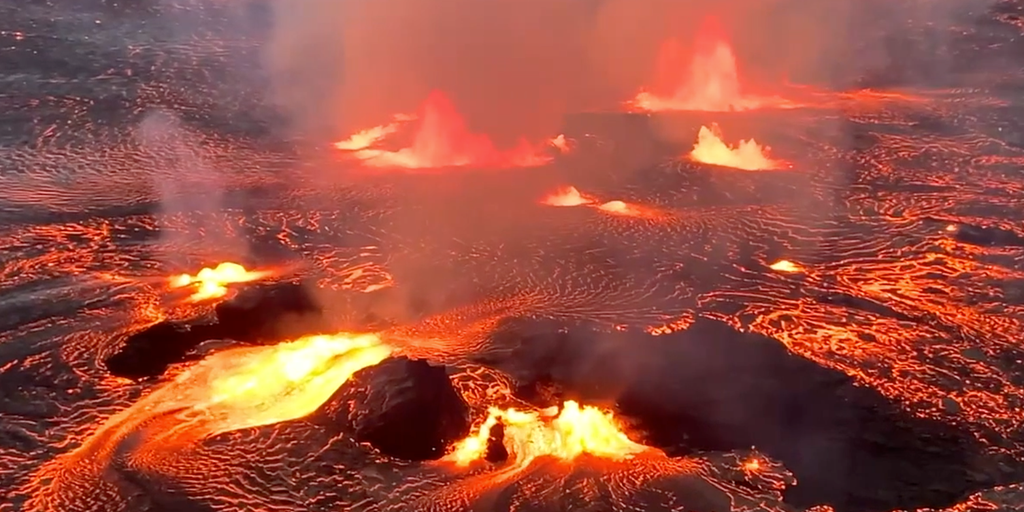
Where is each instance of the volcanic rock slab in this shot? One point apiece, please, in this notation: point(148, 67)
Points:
point(149, 352)
point(406, 408)
point(713, 388)
point(261, 314)
point(270, 313)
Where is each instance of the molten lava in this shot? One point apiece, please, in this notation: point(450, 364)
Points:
point(441, 139)
point(211, 283)
point(369, 137)
point(710, 83)
point(567, 196)
point(560, 143)
point(229, 390)
point(562, 434)
point(786, 266)
point(748, 155)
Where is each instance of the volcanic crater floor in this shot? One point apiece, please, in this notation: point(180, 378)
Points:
point(885, 373)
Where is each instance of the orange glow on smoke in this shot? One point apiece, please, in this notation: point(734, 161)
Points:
point(440, 139)
point(564, 435)
point(748, 155)
point(568, 196)
point(211, 283)
point(710, 83)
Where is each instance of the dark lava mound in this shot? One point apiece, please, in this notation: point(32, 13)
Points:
point(260, 314)
point(406, 408)
point(713, 388)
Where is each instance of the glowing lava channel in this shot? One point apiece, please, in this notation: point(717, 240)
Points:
point(711, 83)
point(441, 139)
point(229, 390)
point(211, 283)
point(748, 155)
point(565, 435)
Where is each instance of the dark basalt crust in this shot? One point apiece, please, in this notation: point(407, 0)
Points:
point(406, 408)
point(261, 314)
point(270, 313)
point(712, 388)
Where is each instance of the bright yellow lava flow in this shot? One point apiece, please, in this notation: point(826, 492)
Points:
point(786, 266)
point(565, 435)
point(229, 390)
point(211, 283)
point(256, 387)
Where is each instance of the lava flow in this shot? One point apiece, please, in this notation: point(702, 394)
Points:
point(562, 434)
point(748, 155)
point(229, 390)
point(710, 83)
point(211, 283)
point(441, 139)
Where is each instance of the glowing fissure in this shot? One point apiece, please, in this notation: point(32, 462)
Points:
point(441, 139)
point(748, 155)
point(563, 434)
point(212, 283)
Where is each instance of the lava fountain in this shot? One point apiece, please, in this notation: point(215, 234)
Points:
point(441, 139)
point(748, 155)
point(567, 196)
point(571, 196)
point(212, 283)
point(563, 434)
point(229, 390)
point(710, 83)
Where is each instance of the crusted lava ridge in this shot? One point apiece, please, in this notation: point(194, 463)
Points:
point(259, 314)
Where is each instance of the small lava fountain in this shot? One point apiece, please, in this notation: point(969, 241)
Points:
point(441, 139)
point(212, 283)
point(711, 82)
point(748, 155)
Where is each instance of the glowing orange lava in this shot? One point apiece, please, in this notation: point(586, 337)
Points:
point(567, 196)
point(441, 139)
point(561, 144)
point(230, 390)
point(564, 435)
point(748, 155)
point(211, 283)
point(369, 137)
point(786, 266)
point(710, 83)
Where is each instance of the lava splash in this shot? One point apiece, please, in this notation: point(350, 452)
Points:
point(211, 283)
point(441, 139)
point(567, 196)
point(748, 155)
point(562, 434)
point(710, 83)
